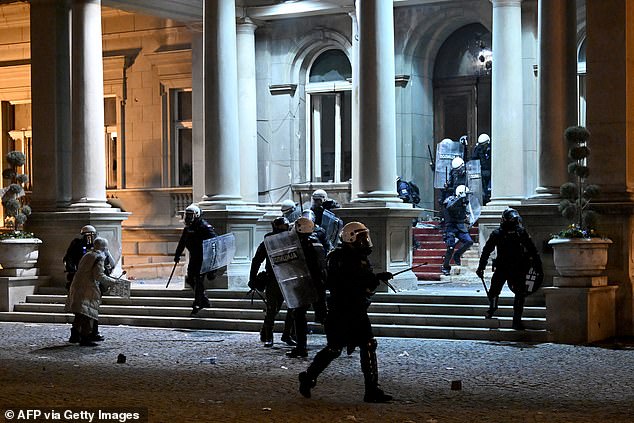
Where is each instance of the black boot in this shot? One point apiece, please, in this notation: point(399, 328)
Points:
point(518, 310)
point(301, 327)
point(493, 306)
point(370, 369)
point(308, 379)
point(74, 336)
point(268, 336)
point(95, 335)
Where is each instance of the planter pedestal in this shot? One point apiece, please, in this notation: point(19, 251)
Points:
point(580, 305)
point(15, 289)
point(19, 274)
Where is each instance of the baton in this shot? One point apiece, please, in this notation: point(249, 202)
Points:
point(408, 269)
point(432, 163)
point(124, 272)
point(171, 274)
point(485, 285)
point(253, 292)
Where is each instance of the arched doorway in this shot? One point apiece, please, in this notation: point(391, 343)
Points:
point(462, 85)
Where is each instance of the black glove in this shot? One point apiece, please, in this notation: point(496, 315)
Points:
point(177, 259)
point(480, 273)
point(385, 276)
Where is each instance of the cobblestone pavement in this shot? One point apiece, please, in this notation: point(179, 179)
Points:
point(210, 376)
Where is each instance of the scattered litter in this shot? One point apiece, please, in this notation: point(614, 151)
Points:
point(121, 359)
point(284, 367)
point(456, 385)
point(352, 418)
point(210, 360)
point(75, 365)
point(448, 368)
point(266, 408)
point(146, 354)
point(404, 354)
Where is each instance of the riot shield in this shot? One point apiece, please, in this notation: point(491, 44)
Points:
point(289, 265)
point(218, 252)
point(446, 151)
point(332, 225)
point(474, 179)
point(473, 209)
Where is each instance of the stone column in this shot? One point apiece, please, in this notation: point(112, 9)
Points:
point(507, 180)
point(51, 109)
point(355, 103)
point(557, 73)
point(89, 157)
point(377, 104)
point(247, 110)
point(610, 120)
point(220, 73)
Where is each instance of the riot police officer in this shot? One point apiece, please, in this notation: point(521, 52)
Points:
point(456, 227)
point(516, 253)
point(482, 152)
point(321, 202)
point(458, 174)
point(274, 298)
point(351, 282)
point(76, 250)
point(290, 210)
point(195, 232)
point(315, 257)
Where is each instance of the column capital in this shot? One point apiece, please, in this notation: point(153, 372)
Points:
point(245, 24)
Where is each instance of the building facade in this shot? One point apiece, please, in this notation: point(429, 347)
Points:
point(130, 111)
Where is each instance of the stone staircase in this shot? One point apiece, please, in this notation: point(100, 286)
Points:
point(431, 249)
point(412, 314)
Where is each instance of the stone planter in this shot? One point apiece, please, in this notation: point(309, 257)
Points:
point(19, 253)
point(580, 257)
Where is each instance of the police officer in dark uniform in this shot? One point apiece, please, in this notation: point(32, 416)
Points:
point(351, 282)
point(76, 250)
point(315, 257)
point(195, 232)
point(516, 253)
point(482, 152)
point(456, 227)
point(321, 202)
point(271, 288)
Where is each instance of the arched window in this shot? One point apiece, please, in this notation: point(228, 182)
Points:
point(329, 102)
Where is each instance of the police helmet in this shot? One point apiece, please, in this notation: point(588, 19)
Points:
point(510, 219)
point(445, 140)
point(287, 205)
point(320, 194)
point(304, 225)
point(88, 229)
point(457, 162)
point(100, 244)
point(280, 224)
point(462, 191)
point(483, 138)
point(192, 212)
point(357, 234)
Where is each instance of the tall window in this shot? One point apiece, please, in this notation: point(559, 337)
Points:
point(581, 83)
point(18, 120)
point(181, 135)
point(330, 109)
point(111, 140)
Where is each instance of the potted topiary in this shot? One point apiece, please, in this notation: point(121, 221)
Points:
point(579, 250)
point(18, 249)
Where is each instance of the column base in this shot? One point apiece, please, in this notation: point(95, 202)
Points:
point(580, 315)
point(391, 233)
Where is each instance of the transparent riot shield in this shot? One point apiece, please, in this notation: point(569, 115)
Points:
point(289, 265)
point(218, 252)
point(473, 209)
point(446, 151)
point(474, 179)
point(332, 225)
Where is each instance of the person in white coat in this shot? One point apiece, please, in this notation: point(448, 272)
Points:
point(84, 296)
